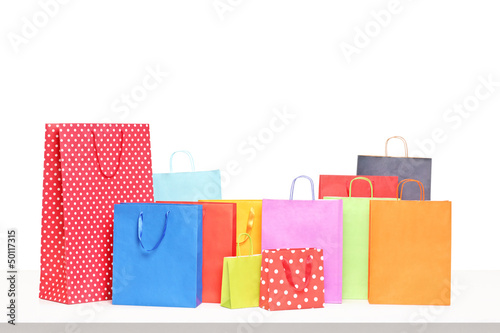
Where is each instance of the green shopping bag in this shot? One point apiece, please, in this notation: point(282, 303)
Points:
point(241, 279)
point(355, 245)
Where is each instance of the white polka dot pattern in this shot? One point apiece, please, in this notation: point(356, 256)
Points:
point(276, 291)
point(77, 208)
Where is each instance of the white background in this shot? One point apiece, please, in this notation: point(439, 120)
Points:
point(228, 76)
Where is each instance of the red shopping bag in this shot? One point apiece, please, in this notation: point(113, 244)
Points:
point(338, 186)
point(87, 169)
point(219, 241)
point(292, 279)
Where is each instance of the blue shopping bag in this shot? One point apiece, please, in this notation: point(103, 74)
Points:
point(157, 254)
point(187, 186)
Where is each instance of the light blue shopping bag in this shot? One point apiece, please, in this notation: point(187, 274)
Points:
point(157, 254)
point(187, 186)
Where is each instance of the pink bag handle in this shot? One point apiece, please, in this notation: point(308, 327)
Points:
point(293, 186)
point(349, 191)
point(400, 138)
point(119, 156)
point(289, 277)
point(404, 181)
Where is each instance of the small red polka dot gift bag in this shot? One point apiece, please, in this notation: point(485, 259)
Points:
point(87, 169)
point(292, 279)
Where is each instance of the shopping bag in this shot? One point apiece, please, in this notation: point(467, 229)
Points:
point(87, 169)
point(219, 241)
point(403, 167)
point(248, 220)
point(410, 251)
point(292, 279)
point(356, 218)
point(338, 186)
point(157, 255)
point(241, 279)
point(307, 223)
point(187, 186)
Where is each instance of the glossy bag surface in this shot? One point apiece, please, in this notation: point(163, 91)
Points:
point(219, 241)
point(292, 279)
point(87, 169)
point(158, 255)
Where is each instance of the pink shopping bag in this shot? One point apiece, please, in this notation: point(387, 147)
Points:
point(307, 224)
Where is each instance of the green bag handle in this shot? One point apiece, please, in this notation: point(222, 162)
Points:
point(404, 181)
point(191, 160)
point(360, 178)
point(238, 244)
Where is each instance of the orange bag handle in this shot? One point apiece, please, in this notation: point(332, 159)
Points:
point(251, 216)
point(400, 138)
point(404, 181)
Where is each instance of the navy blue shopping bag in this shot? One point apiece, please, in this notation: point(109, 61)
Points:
point(157, 254)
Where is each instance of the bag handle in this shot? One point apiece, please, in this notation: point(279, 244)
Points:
point(98, 160)
point(400, 138)
point(238, 244)
point(289, 277)
point(404, 181)
point(139, 232)
point(191, 160)
point(293, 186)
point(251, 216)
point(349, 193)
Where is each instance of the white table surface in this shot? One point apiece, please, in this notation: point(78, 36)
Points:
point(475, 299)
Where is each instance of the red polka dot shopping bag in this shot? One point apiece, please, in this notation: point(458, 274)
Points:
point(292, 279)
point(87, 169)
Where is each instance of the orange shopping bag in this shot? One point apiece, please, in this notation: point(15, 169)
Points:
point(410, 251)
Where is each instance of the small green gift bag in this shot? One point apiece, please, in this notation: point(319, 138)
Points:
point(241, 279)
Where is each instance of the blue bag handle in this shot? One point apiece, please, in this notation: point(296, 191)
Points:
point(293, 186)
point(191, 160)
point(139, 232)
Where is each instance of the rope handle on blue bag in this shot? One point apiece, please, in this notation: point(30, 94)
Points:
point(191, 160)
point(293, 186)
point(238, 244)
point(139, 232)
